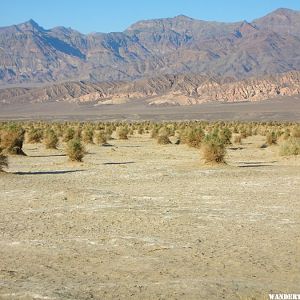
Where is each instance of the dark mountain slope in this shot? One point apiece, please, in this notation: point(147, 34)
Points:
point(271, 44)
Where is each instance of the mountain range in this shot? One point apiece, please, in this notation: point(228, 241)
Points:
point(168, 49)
point(183, 89)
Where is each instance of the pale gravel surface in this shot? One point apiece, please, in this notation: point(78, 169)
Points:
point(278, 109)
point(144, 221)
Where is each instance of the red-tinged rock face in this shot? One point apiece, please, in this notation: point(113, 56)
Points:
point(162, 90)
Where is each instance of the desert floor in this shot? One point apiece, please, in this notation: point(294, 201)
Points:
point(278, 109)
point(144, 221)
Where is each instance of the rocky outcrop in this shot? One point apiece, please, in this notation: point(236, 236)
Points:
point(162, 90)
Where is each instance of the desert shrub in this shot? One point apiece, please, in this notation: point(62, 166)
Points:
point(108, 132)
point(77, 132)
point(34, 135)
point(225, 136)
point(130, 131)
point(3, 161)
point(255, 131)
point(290, 147)
point(237, 139)
point(271, 138)
point(69, 134)
point(109, 128)
point(122, 133)
point(141, 130)
point(193, 137)
point(75, 150)
point(12, 139)
point(213, 149)
point(163, 140)
point(296, 132)
point(243, 133)
point(285, 135)
point(154, 133)
point(50, 139)
point(235, 129)
point(101, 137)
point(87, 136)
point(164, 130)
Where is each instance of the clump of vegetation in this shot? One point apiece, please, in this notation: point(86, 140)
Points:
point(271, 138)
point(192, 137)
point(87, 136)
point(163, 139)
point(101, 137)
point(3, 161)
point(50, 139)
point(237, 139)
point(290, 147)
point(225, 136)
point(75, 150)
point(213, 149)
point(296, 132)
point(141, 130)
point(12, 139)
point(34, 136)
point(123, 133)
point(69, 134)
point(243, 133)
point(154, 132)
point(286, 135)
point(211, 137)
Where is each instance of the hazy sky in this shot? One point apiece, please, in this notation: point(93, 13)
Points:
point(108, 15)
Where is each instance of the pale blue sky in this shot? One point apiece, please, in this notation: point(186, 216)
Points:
point(106, 16)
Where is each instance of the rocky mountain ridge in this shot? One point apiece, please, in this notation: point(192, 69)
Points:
point(30, 54)
point(161, 90)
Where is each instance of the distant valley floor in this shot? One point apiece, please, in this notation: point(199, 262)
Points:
point(281, 109)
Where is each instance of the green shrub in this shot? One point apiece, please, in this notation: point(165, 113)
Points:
point(75, 150)
point(225, 136)
point(193, 137)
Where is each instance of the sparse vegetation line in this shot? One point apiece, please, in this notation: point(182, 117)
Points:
point(211, 138)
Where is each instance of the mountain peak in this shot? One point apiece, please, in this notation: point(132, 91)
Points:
point(179, 44)
point(281, 14)
point(183, 17)
point(30, 25)
point(152, 23)
point(283, 11)
point(282, 20)
point(32, 22)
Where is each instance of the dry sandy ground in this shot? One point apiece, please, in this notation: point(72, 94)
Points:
point(143, 221)
point(279, 109)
